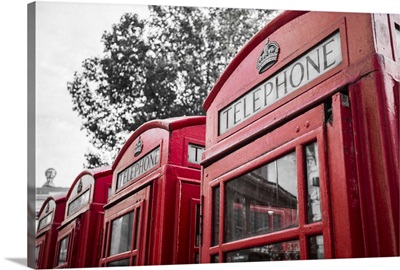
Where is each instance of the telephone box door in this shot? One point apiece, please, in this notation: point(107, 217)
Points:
point(187, 230)
point(277, 198)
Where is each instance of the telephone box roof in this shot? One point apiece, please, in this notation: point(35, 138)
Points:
point(282, 19)
point(58, 198)
point(95, 172)
point(169, 124)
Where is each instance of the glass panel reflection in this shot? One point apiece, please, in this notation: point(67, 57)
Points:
point(262, 201)
point(79, 202)
point(37, 249)
point(123, 262)
point(45, 221)
point(62, 256)
point(313, 189)
point(215, 211)
point(316, 247)
point(121, 234)
point(275, 252)
point(197, 240)
point(397, 34)
point(137, 228)
point(215, 259)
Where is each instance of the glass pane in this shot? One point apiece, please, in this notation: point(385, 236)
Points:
point(397, 33)
point(215, 259)
point(45, 221)
point(123, 262)
point(103, 251)
point(313, 189)
point(79, 202)
point(137, 228)
point(121, 234)
point(197, 240)
point(262, 201)
point(134, 260)
point(275, 252)
point(316, 247)
point(215, 220)
point(196, 257)
point(62, 256)
point(37, 249)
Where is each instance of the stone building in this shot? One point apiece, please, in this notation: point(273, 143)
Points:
point(48, 189)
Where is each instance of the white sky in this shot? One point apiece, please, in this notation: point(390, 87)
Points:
point(66, 34)
point(13, 106)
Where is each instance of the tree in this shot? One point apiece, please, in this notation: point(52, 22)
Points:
point(156, 68)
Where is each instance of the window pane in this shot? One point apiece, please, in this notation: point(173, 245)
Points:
point(215, 220)
point(134, 260)
point(316, 247)
point(197, 240)
point(37, 249)
point(79, 202)
point(103, 251)
point(215, 259)
point(123, 262)
point(262, 201)
point(45, 221)
point(397, 33)
point(137, 228)
point(313, 189)
point(121, 234)
point(275, 252)
point(62, 256)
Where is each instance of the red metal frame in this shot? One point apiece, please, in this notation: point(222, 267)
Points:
point(376, 101)
point(356, 103)
point(165, 190)
point(290, 141)
point(83, 224)
point(188, 192)
point(195, 231)
point(46, 237)
point(139, 200)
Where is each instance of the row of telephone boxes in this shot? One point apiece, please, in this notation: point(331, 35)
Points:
point(296, 158)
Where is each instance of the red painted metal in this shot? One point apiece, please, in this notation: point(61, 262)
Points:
point(46, 236)
point(169, 209)
point(84, 219)
point(376, 141)
point(351, 111)
point(274, 144)
point(345, 206)
point(164, 193)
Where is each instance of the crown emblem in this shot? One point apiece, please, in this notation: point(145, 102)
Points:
point(138, 147)
point(268, 56)
point(80, 186)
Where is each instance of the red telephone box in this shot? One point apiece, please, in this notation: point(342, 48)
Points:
point(51, 215)
point(153, 213)
point(302, 149)
point(78, 241)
